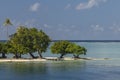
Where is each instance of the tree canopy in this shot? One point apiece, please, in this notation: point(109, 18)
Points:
point(29, 40)
point(7, 22)
point(66, 47)
point(3, 49)
point(60, 48)
point(79, 51)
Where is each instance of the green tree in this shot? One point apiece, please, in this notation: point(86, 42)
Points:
point(21, 42)
point(29, 40)
point(41, 41)
point(60, 47)
point(78, 50)
point(4, 49)
point(17, 50)
point(66, 47)
point(71, 48)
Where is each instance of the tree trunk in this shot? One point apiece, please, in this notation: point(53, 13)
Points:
point(32, 55)
point(3, 55)
point(40, 55)
point(62, 55)
point(76, 56)
point(16, 56)
point(20, 55)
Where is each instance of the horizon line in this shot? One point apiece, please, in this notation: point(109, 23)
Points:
point(79, 40)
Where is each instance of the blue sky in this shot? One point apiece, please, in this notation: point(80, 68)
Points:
point(64, 19)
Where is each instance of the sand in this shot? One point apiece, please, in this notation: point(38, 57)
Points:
point(49, 59)
point(21, 60)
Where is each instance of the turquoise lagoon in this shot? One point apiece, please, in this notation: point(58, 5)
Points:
point(69, 70)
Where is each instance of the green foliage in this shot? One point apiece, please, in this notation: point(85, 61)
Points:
point(4, 49)
point(41, 41)
point(29, 40)
point(7, 22)
point(79, 51)
point(60, 47)
point(71, 48)
point(18, 41)
point(66, 47)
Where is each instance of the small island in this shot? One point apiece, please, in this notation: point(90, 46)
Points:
point(31, 40)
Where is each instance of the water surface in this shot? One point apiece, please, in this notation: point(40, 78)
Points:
point(69, 70)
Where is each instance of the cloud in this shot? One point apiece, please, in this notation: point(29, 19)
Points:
point(67, 6)
point(115, 28)
point(46, 25)
point(35, 7)
point(89, 4)
point(97, 28)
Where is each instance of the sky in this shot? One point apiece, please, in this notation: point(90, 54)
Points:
point(64, 19)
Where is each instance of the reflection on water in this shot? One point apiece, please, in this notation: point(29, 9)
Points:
point(66, 65)
point(35, 70)
point(28, 68)
point(60, 70)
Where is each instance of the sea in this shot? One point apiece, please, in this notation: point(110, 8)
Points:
point(108, 69)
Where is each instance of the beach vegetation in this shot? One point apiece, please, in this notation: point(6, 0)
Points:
point(41, 41)
point(3, 49)
point(31, 40)
point(28, 40)
point(7, 23)
point(60, 47)
point(66, 47)
point(79, 51)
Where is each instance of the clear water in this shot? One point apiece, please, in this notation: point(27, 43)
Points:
point(69, 70)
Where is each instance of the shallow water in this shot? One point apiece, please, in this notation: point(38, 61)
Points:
point(69, 70)
point(63, 70)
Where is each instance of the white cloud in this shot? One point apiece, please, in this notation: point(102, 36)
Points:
point(97, 28)
point(73, 26)
point(46, 25)
point(67, 6)
point(65, 28)
point(35, 7)
point(115, 28)
point(89, 4)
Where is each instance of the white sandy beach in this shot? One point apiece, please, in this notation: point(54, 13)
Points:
point(48, 59)
point(21, 60)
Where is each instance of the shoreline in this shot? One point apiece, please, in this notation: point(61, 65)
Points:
point(49, 59)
